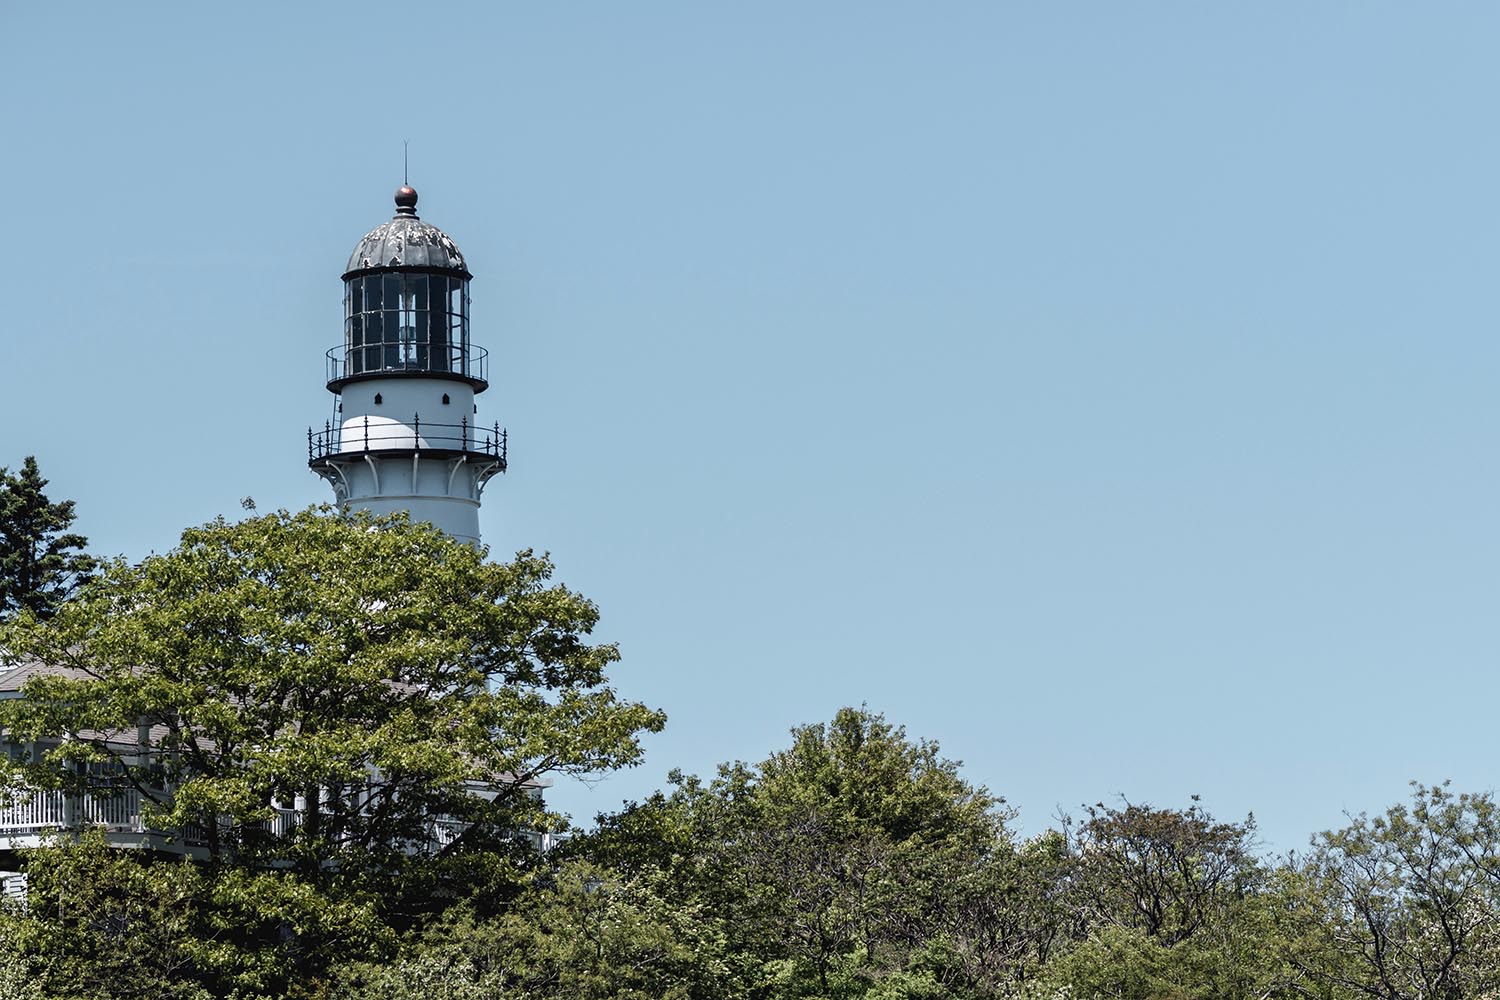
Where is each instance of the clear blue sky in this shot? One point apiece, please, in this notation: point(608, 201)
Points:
point(1107, 391)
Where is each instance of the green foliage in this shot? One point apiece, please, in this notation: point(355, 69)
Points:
point(107, 924)
point(18, 980)
point(41, 562)
point(101, 925)
point(1127, 963)
point(433, 975)
point(581, 932)
point(577, 932)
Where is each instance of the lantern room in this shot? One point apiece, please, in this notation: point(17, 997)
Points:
point(406, 305)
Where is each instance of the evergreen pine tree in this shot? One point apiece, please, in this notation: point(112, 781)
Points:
point(41, 562)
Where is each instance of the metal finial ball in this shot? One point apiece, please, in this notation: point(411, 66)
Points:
point(406, 199)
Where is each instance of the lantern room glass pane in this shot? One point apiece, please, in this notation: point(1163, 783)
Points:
point(436, 334)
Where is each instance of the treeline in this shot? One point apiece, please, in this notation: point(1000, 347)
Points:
point(375, 682)
point(856, 863)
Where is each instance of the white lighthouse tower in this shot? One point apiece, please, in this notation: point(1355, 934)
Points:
point(405, 433)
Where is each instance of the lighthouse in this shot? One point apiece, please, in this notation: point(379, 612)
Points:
point(405, 433)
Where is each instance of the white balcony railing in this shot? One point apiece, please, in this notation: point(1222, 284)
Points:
point(27, 811)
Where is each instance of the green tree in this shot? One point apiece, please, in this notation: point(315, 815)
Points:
point(1172, 904)
point(41, 562)
point(1407, 906)
point(1165, 872)
point(837, 865)
point(408, 694)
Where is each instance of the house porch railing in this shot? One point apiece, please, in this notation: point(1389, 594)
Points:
point(30, 813)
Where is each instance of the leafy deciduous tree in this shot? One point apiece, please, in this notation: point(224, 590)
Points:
point(378, 673)
point(1164, 871)
point(834, 863)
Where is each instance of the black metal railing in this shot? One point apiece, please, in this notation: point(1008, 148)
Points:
point(361, 435)
point(468, 361)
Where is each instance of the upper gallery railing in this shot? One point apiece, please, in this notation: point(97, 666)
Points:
point(412, 357)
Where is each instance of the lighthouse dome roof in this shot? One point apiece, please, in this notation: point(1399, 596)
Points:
point(407, 243)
